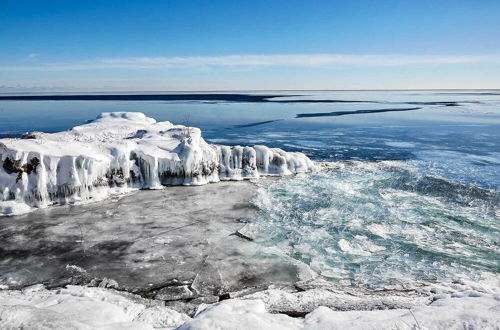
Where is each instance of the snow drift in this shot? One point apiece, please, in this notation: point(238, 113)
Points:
point(120, 151)
point(77, 307)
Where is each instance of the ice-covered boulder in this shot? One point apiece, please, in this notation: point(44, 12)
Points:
point(120, 151)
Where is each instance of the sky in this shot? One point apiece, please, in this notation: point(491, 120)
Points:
point(207, 45)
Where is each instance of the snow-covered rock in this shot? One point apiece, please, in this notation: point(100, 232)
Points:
point(120, 151)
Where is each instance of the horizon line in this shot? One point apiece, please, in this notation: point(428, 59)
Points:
point(84, 90)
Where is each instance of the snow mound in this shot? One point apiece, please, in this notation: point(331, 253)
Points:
point(120, 151)
point(241, 314)
point(79, 307)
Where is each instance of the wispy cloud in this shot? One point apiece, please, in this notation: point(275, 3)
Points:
point(32, 57)
point(292, 60)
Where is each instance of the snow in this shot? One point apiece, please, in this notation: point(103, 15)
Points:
point(120, 151)
point(13, 207)
point(449, 313)
point(241, 314)
point(465, 313)
point(79, 307)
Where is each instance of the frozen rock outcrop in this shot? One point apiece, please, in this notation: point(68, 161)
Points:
point(120, 151)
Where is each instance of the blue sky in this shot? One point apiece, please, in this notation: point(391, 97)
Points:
point(234, 45)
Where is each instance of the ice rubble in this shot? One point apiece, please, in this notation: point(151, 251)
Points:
point(120, 151)
point(77, 307)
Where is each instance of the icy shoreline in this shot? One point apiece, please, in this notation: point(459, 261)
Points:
point(77, 307)
point(121, 151)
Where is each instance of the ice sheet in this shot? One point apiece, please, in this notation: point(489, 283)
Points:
point(173, 244)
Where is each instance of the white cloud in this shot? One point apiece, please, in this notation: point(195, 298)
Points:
point(32, 57)
point(296, 60)
point(291, 60)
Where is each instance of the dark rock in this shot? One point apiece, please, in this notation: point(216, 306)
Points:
point(11, 166)
point(224, 296)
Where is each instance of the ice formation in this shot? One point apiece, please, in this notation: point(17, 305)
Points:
point(120, 151)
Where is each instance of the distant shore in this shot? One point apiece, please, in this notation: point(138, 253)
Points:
point(227, 97)
point(143, 97)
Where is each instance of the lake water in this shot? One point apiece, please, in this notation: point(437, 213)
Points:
point(412, 192)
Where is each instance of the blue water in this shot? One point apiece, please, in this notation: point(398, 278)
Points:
point(454, 139)
point(412, 196)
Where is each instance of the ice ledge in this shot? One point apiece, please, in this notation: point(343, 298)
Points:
point(120, 151)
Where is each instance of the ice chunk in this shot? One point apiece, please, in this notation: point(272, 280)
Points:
point(174, 293)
